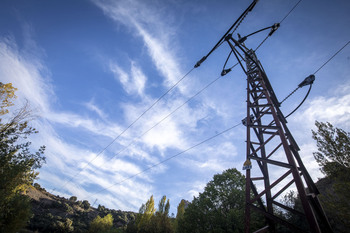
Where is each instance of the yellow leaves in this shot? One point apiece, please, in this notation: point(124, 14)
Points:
point(102, 224)
point(7, 95)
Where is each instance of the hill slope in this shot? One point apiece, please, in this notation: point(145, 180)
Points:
point(57, 214)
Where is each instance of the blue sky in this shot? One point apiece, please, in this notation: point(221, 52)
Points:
point(91, 68)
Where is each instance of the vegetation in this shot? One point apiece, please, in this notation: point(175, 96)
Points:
point(58, 214)
point(17, 162)
point(151, 220)
point(333, 156)
point(220, 208)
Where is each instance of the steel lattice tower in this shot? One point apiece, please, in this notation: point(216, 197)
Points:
point(273, 164)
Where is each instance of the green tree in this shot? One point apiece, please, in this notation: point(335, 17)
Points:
point(151, 221)
point(333, 156)
point(86, 205)
point(180, 214)
point(73, 199)
point(17, 162)
point(220, 208)
point(160, 221)
point(333, 153)
point(145, 214)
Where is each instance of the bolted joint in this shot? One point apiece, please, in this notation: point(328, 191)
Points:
point(244, 121)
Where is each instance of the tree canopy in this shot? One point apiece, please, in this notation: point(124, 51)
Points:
point(219, 208)
point(333, 156)
point(17, 161)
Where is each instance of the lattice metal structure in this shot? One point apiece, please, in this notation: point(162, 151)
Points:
point(273, 164)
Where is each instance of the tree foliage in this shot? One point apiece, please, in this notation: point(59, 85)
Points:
point(7, 95)
point(219, 208)
point(103, 225)
point(151, 220)
point(179, 215)
point(333, 156)
point(333, 149)
point(17, 162)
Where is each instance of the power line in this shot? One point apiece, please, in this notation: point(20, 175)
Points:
point(332, 57)
point(235, 26)
point(149, 108)
point(164, 118)
point(290, 11)
point(163, 161)
point(279, 23)
point(335, 54)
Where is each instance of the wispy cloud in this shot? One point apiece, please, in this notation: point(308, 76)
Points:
point(65, 159)
point(147, 21)
point(132, 84)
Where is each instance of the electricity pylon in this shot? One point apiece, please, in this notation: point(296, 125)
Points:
point(277, 166)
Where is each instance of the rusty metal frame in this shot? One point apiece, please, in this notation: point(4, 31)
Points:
point(268, 137)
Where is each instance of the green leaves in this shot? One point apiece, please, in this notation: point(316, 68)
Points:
point(102, 225)
point(219, 208)
point(333, 149)
point(333, 156)
point(17, 162)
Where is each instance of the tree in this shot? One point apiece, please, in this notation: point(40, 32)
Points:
point(333, 149)
point(219, 208)
point(150, 220)
point(160, 222)
point(7, 95)
point(333, 156)
point(17, 162)
point(145, 213)
point(180, 214)
point(102, 225)
point(86, 205)
point(73, 199)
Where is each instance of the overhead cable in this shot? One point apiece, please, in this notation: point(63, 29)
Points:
point(279, 23)
point(164, 118)
point(234, 27)
point(120, 134)
point(167, 159)
point(332, 57)
point(309, 81)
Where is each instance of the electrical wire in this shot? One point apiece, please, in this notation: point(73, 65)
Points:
point(335, 54)
point(235, 26)
point(279, 23)
point(307, 94)
point(164, 118)
point(332, 57)
point(120, 134)
point(167, 159)
point(290, 11)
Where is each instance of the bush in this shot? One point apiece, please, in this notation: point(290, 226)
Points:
point(104, 224)
point(86, 205)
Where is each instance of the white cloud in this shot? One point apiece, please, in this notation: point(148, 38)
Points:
point(148, 22)
point(132, 84)
point(93, 107)
point(64, 160)
point(26, 75)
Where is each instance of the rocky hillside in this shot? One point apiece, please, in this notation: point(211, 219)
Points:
point(58, 214)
